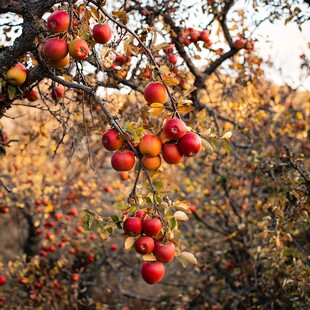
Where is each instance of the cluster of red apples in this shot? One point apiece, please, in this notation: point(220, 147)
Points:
point(57, 51)
point(174, 142)
point(149, 240)
point(191, 35)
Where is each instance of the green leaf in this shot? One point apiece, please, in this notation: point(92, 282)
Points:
point(226, 146)
point(86, 221)
point(116, 221)
point(11, 92)
point(94, 225)
point(173, 223)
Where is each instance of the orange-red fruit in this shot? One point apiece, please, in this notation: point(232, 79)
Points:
point(140, 214)
point(164, 252)
point(59, 21)
point(61, 63)
point(194, 36)
point(152, 227)
point(151, 163)
point(58, 92)
point(171, 154)
point(55, 49)
point(133, 226)
point(123, 160)
point(152, 272)
point(2, 280)
point(124, 175)
point(150, 145)
point(102, 33)
point(174, 129)
point(120, 60)
point(17, 74)
point(190, 144)
point(155, 92)
point(111, 140)
point(75, 277)
point(204, 35)
point(32, 96)
point(144, 245)
point(173, 59)
point(240, 43)
point(78, 49)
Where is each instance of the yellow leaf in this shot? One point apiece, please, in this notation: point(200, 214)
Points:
point(299, 116)
point(156, 105)
point(170, 81)
point(156, 111)
point(122, 15)
point(164, 70)
point(104, 234)
point(185, 109)
point(181, 216)
point(129, 242)
point(160, 46)
point(189, 257)
point(149, 258)
point(181, 205)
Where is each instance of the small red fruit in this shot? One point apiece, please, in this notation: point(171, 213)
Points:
point(111, 140)
point(58, 92)
point(55, 49)
point(124, 175)
point(174, 129)
point(102, 33)
point(78, 49)
point(59, 21)
point(152, 272)
point(155, 92)
point(140, 214)
point(133, 226)
point(190, 144)
point(173, 59)
point(123, 160)
point(204, 35)
point(164, 252)
point(150, 145)
point(240, 43)
point(2, 280)
point(171, 154)
point(144, 245)
point(114, 247)
point(152, 227)
point(75, 277)
point(151, 163)
point(120, 60)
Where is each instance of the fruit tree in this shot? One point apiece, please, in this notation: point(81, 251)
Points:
point(204, 162)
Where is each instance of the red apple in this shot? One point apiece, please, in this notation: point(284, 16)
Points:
point(114, 247)
point(78, 49)
point(204, 35)
point(239, 43)
point(174, 129)
point(58, 21)
point(169, 50)
point(120, 60)
point(58, 92)
point(150, 145)
point(133, 226)
point(124, 175)
point(32, 96)
point(60, 63)
point(171, 154)
point(17, 74)
point(152, 226)
point(152, 272)
point(164, 252)
point(184, 39)
point(190, 144)
point(2, 280)
point(75, 277)
point(111, 140)
point(194, 35)
point(249, 45)
point(102, 33)
point(151, 163)
point(140, 214)
point(173, 59)
point(155, 92)
point(192, 208)
point(55, 49)
point(144, 245)
point(123, 160)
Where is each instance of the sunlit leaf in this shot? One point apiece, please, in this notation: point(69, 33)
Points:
point(149, 258)
point(180, 216)
point(129, 242)
point(11, 91)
